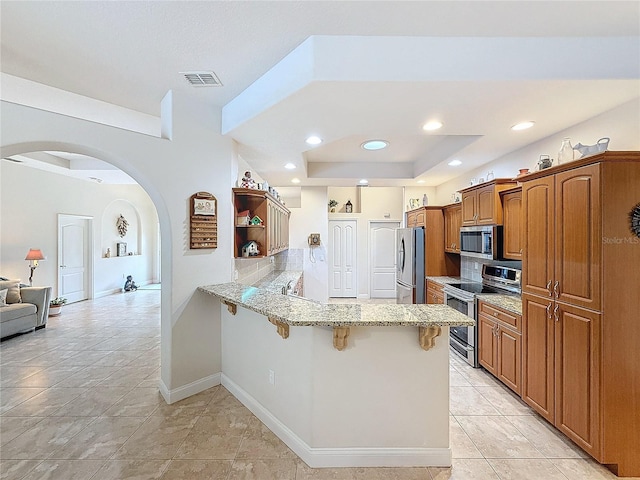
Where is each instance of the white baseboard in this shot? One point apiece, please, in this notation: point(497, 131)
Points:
point(180, 393)
point(363, 295)
point(340, 457)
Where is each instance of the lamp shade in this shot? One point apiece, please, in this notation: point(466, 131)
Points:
point(34, 254)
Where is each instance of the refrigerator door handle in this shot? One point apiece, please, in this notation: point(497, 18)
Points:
point(402, 255)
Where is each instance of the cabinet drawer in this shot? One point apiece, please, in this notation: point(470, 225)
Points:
point(436, 287)
point(505, 317)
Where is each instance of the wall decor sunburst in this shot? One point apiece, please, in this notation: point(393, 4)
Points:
point(634, 219)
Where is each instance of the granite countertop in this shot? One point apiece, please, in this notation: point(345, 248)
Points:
point(274, 281)
point(509, 302)
point(446, 280)
point(303, 312)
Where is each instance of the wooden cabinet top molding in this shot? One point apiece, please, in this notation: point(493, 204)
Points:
point(605, 157)
point(253, 192)
point(496, 181)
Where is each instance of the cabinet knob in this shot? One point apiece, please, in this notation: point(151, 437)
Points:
point(555, 312)
point(549, 311)
point(495, 314)
point(555, 288)
point(549, 287)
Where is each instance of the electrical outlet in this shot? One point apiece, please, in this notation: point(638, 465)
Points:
point(475, 265)
point(272, 377)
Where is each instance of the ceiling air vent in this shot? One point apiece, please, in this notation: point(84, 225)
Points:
point(202, 79)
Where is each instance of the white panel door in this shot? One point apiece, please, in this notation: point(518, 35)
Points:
point(73, 257)
point(342, 258)
point(382, 261)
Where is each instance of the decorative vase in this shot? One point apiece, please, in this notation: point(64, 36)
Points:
point(425, 200)
point(333, 210)
point(566, 152)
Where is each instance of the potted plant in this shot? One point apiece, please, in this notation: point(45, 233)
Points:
point(332, 205)
point(55, 306)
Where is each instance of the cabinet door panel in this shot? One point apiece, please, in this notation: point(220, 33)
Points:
point(510, 358)
point(512, 213)
point(537, 355)
point(578, 375)
point(538, 246)
point(487, 349)
point(486, 208)
point(469, 209)
point(578, 241)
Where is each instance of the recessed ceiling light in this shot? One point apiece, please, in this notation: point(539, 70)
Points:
point(314, 140)
point(523, 125)
point(420, 181)
point(295, 180)
point(455, 163)
point(363, 181)
point(290, 166)
point(432, 125)
point(375, 144)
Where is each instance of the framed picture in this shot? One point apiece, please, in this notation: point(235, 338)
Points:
point(203, 206)
point(122, 249)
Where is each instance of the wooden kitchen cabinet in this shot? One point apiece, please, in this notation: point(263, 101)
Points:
point(435, 293)
point(512, 220)
point(437, 262)
point(452, 224)
point(500, 344)
point(481, 203)
point(580, 304)
point(272, 236)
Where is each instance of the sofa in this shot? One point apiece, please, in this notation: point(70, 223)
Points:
point(22, 308)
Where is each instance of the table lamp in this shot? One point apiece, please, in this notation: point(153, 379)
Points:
point(33, 255)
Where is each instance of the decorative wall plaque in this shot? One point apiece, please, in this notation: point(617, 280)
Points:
point(203, 221)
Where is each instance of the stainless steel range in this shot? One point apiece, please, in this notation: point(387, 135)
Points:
point(462, 297)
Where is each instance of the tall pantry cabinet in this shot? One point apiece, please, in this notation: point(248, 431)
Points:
point(581, 304)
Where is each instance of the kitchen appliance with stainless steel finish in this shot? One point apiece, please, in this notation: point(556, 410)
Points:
point(481, 242)
point(462, 297)
point(410, 278)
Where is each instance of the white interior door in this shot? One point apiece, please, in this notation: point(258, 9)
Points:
point(342, 258)
point(382, 261)
point(74, 235)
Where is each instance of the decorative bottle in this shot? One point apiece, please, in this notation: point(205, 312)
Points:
point(348, 207)
point(566, 151)
point(425, 200)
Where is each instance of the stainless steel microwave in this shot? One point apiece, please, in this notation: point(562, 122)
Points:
point(481, 242)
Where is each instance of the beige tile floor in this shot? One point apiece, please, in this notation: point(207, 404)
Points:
point(79, 400)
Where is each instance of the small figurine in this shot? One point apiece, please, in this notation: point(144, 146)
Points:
point(130, 285)
point(108, 254)
point(247, 181)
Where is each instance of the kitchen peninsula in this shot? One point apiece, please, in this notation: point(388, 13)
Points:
point(341, 384)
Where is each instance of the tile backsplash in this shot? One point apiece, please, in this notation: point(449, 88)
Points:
point(250, 270)
point(468, 269)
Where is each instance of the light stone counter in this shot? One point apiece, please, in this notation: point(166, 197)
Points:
point(274, 281)
point(302, 312)
point(445, 280)
point(511, 303)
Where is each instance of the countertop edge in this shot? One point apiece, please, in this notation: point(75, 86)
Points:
point(299, 306)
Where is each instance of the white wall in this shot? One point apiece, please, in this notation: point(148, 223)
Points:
point(312, 217)
point(197, 158)
point(31, 200)
point(381, 400)
point(621, 124)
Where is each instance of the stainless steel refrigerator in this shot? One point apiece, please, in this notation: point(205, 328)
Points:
point(410, 280)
